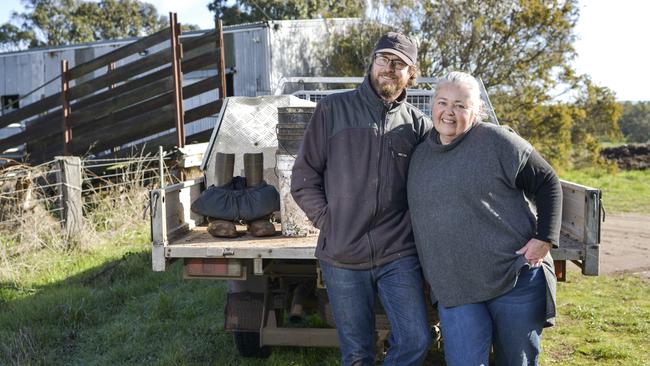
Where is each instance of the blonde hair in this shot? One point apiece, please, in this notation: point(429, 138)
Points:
point(470, 84)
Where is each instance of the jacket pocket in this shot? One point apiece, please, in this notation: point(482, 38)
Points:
point(398, 165)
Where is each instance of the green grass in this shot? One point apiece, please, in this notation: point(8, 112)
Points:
point(623, 191)
point(602, 320)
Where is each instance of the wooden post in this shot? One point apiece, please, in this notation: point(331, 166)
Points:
point(109, 69)
point(70, 180)
point(221, 63)
point(177, 56)
point(65, 103)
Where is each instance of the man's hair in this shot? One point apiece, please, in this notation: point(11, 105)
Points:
point(412, 69)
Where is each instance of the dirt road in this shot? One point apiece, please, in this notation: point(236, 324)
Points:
point(625, 244)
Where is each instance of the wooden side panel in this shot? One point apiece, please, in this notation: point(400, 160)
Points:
point(591, 263)
point(573, 209)
point(179, 198)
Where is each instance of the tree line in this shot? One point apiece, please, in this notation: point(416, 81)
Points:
point(521, 49)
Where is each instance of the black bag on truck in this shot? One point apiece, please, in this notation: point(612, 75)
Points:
point(236, 202)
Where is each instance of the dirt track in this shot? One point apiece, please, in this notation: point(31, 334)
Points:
point(625, 244)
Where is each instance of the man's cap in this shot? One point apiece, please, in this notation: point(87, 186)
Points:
point(399, 45)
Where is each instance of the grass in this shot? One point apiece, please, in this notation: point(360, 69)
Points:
point(623, 191)
point(602, 320)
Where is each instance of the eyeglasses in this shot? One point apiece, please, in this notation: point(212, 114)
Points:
point(383, 61)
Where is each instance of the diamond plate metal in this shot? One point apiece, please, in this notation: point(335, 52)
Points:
point(248, 125)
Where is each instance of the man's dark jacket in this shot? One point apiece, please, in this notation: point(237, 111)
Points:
point(350, 176)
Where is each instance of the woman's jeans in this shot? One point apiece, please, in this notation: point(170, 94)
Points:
point(352, 296)
point(512, 321)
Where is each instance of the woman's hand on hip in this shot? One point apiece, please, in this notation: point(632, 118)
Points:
point(534, 251)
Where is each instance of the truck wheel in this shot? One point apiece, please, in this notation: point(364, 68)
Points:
point(248, 345)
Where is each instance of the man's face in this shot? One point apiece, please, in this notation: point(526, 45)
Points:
point(388, 80)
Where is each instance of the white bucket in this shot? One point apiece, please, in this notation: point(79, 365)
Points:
point(294, 220)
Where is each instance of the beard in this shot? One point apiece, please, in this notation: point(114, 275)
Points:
point(388, 89)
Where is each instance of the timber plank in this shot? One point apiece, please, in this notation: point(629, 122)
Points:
point(121, 73)
point(120, 53)
point(203, 111)
point(43, 126)
point(192, 43)
point(30, 110)
point(119, 102)
point(122, 114)
point(200, 87)
point(104, 137)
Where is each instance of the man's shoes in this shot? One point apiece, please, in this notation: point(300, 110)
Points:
point(261, 227)
point(222, 229)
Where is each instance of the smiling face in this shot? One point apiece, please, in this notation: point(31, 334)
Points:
point(387, 80)
point(453, 111)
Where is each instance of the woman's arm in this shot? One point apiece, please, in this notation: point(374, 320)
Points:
point(537, 179)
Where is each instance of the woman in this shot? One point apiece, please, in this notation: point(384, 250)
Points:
point(484, 252)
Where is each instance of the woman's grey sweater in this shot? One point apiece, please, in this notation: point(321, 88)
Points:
point(469, 217)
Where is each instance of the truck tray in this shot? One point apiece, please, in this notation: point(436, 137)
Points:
point(198, 243)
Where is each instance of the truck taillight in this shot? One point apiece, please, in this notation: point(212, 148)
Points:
point(214, 268)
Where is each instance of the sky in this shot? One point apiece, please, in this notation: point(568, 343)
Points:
point(611, 43)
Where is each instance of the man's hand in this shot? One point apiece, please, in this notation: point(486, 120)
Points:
point(535, 251)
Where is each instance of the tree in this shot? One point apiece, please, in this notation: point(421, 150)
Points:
point(262, 10)
point(62, 22)
point(635, 122)
point(349, 50)
point(522, 50)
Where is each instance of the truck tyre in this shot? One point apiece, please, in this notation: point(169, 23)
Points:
point(248, 345)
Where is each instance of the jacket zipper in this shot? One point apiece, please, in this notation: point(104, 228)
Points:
point(382, 127)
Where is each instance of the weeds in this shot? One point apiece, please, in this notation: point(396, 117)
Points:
point(31, 225)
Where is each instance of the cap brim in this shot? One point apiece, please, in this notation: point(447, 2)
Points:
point(396, 53)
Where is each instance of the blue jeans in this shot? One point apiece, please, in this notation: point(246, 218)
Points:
point(512, 321)
point(352, 296)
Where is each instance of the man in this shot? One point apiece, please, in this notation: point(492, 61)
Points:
point(350, 179)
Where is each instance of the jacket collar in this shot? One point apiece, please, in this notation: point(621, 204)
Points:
point(369, 95)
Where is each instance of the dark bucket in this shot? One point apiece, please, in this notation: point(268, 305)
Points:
point(292, 122)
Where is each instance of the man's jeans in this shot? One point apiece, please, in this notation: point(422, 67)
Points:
point(352, 296)
point(512, 321)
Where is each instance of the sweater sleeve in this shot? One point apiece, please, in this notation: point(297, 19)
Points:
point(537, 179)
point(307, 177)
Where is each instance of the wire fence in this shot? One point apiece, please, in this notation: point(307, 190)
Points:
point(27, 191)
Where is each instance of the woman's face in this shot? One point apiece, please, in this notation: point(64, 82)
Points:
point(453, 111)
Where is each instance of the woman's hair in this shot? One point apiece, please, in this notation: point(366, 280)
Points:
point(412, 69)
point(470, 84)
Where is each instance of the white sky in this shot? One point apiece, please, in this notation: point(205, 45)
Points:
point(611, 41)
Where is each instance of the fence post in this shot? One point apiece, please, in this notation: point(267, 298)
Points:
point(71, 202)
point(221, 63)
point(65, 103)
point(177, 56)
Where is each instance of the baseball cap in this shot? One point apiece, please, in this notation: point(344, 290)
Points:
point(399, 45)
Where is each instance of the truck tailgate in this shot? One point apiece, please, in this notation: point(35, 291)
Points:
point(198, 243)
